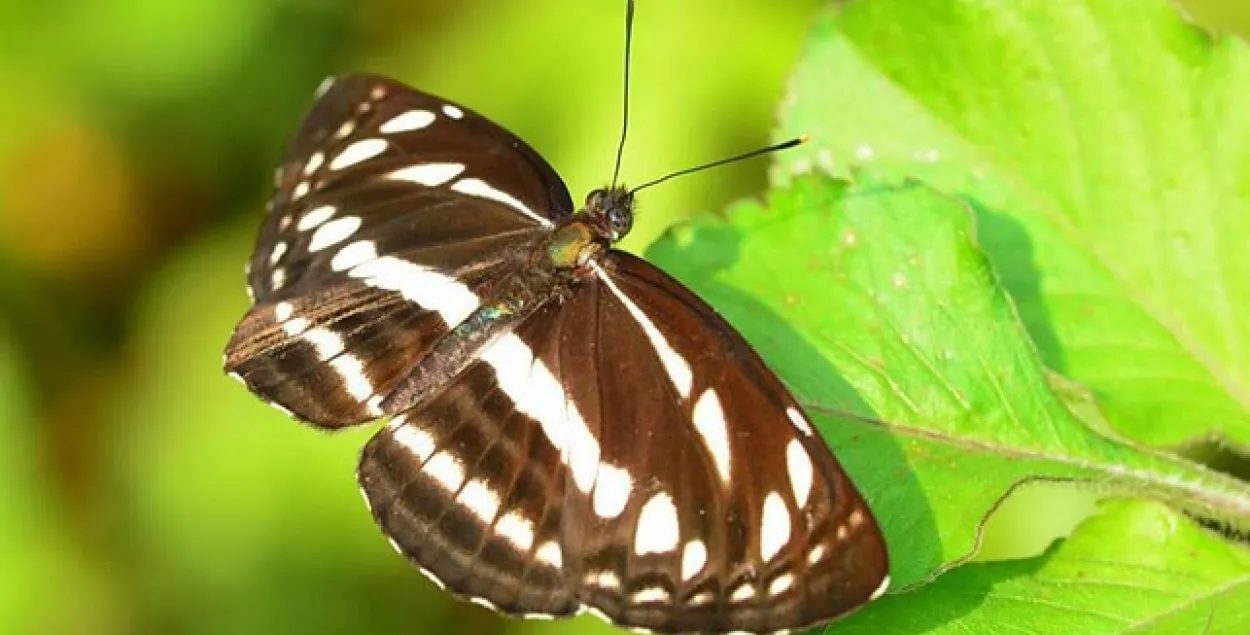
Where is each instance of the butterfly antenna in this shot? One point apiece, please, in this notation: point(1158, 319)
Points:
point(784, 145)
point(629, 36)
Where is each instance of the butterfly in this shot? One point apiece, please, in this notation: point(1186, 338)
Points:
point(570, 429)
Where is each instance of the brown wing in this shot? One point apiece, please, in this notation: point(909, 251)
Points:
point(394, 213)
point(658, 473)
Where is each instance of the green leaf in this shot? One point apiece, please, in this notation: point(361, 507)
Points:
point(879, 303)
point(1135, 568)
point(1106, 150)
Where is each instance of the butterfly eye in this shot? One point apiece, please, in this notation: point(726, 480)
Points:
point(597, 199)
point(621, 220)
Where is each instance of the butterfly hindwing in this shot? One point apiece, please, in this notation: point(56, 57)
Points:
point(741, 518)
point(693, 493)
point(472, 490)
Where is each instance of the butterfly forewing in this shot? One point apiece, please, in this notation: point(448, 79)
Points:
point(394, 213)
point(373, 149)
point(692, 493)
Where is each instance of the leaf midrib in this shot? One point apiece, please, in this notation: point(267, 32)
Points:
point(1234, 499)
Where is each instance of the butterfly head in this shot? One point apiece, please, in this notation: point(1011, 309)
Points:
point(610, 212)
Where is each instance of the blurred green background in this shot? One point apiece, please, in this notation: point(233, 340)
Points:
point(140, 490)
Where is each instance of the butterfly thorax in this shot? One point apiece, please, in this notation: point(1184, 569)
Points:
point(572, 246)
point(557, 264)
point(607, 216)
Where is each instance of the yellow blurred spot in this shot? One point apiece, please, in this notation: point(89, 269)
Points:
point(1218, 15)
point(70, 205)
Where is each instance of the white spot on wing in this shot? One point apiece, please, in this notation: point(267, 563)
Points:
point(885, 586)
point(799, 421)
point(407, 122)
point(657, 530)
point(482, 189)
point(357, 152)
point(480, 499)
point(413, 439)
point(334, 232)
point(299, 191)
point(606, 579)
point(329, 346)
point(815, 554)
point(446, 469)
point(350, 368)
point(774, 526)
point(295, 326)
point(612, 489)
point(429, 575)
point(539, 395)
point(345, 129)
point(428, 174)
point(709, 421)
point(707, 597)
point(781, 584)
point(279, 250)
point(745, 591)
point(400, 550)
point(282, 311)
point(452, 111)
point(517, 530)
point(314, 217)
point(549, 553)
point(650, 595)
point(353, 255)
point(428, 288)
point(484, 603)
point(674, 364)
point(799, 466)
point(323, 87)
point(855, 519)
point(314, 162)
point(693, 559)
